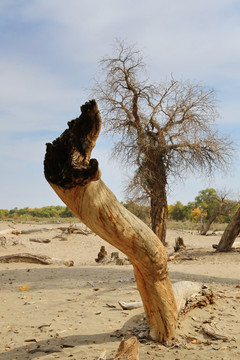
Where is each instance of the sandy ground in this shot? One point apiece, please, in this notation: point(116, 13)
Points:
point(59, 312)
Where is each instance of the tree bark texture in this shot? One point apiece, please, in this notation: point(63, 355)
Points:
point(157, 182)
point(76, 179)
point(159, 214)
point(230, 234)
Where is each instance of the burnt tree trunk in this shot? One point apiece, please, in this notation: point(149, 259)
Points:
point(76, 179)
point(230, 234)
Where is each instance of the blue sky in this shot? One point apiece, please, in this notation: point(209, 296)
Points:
point(49, 54)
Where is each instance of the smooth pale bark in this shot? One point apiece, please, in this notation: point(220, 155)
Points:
point(98, 208)
point(76, 179)
point(182, 290)
point(230, 234)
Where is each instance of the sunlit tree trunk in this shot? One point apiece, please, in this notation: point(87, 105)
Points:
point(230, 234)
point(76, 180)
point(206, 227)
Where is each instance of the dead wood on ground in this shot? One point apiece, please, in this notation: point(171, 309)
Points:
point(130, 305)
point(102, 255)
point(128, 350)
point(211, 329)
point(104, 258)
point(189, 295)
point(36, 259)
point(72, 229)
point(102, 355)
point(37, 240)
point(179, 244)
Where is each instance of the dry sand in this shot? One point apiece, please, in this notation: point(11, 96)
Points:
point(58, 312)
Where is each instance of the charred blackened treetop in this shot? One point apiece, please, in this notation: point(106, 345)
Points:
point(67, 161)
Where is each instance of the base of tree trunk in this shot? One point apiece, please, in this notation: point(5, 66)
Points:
point(230, 234)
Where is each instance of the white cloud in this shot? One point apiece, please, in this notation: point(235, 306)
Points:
point(179, 36)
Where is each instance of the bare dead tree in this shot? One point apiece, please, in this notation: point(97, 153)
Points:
point(163, 129)
point(76, 178)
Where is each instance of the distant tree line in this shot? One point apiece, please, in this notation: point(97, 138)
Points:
point(208, 207)
point(43, 212)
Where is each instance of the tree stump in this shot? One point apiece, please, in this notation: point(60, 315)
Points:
point(179, 244)
point(102, 255)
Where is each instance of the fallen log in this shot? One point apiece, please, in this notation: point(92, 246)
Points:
point(130, 305)
point(6, 231)
point(115, 259)
point(24, 232)
point(74, 230)
point(214, 332)
point(187, 258)
point(37, 240)
point(180, 257)
point(30, 231)
point(173, 257)
point(188, 295)
point(36, 259)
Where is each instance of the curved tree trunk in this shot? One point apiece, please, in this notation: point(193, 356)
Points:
point(76, 179)
point(206, 227)
point(98, 208)
point(230, 234)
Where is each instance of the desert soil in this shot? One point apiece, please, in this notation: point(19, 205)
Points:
point(58, 312)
